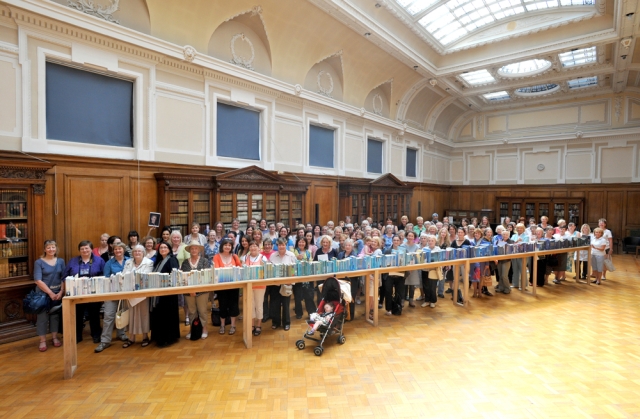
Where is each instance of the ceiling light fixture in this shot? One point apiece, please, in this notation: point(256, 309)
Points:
point(378, 5)
point(367, 34)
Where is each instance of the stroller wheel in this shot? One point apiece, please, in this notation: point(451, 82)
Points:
point(342, 339)
point(300, 344)
point(318, 350)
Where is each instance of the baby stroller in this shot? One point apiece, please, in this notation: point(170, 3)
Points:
point(333, 291)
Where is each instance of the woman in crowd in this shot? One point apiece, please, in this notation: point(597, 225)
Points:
point(453, 233)
point(485, 222)
point(310, 243)
point(520, 236)
point(583, 255)
point(388, 236)
point(504, 264)
point(197, 302)
point(211, 247)
point(165, 235)
point(430, 278)
point(195, 235)
point(264, 228)
point(480, 269)
point(447, 273)
point(179, 252)
point(243, 247)
point(273, 234)
point(218, 227)
point(349, 252)
point(139, 321)
point(559, 271)
point(324, 252)
point(228, 299)
point(111, 241)
point(255, 258)
point(606, 234)
point(283, 233)
point(112, 267)
point(47, 274)
point(375, 244)
point(104, 247)
point(412, 278)
point(164, 319)
point(303, 291)
point(257, 237)
point(393, 282)
point(134, 238)
point(280, 311)
point(459, 241)
point(317, 235)
point(86, 265)
point(404, 220)
point(150, 248)
point(571, 233)
point(598, 253)
point(267, 251)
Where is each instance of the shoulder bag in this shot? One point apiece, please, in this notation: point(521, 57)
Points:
point(486, 280)
point(122, 316)
point(36, 302)
point(608, 263)
point(286, 290)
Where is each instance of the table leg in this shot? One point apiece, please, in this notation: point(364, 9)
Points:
point(456, 283)
point(534, 277)
point(376, 281)
point(367, 305)
point(69, 338)
point(523, 274)
point(588, 273)
point(465, 281)
point(247, 315)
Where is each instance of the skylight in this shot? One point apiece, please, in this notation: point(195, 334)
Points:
point(540, 89)
point(582, 82)
point(578, 57)
point(495, 96)
point(450, 20)
point(478, 77)
point(527, 67)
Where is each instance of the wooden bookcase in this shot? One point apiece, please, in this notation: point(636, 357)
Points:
point(382, 198)
point(184, 199)
point(21, 239)
point(568, 209)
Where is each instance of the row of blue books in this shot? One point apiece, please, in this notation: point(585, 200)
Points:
point(120, 282)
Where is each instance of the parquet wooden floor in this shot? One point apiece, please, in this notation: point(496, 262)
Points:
point(572, 351)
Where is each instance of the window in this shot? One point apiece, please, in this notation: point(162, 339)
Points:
point(528, 67)
point(321, 146)
point(374, 156)
point(238, 132)
point(582, 82)
point(86, 107)
point(540, 89)
point(495, 96)
point(412, 155)
point(477, 77)
point(578, 57)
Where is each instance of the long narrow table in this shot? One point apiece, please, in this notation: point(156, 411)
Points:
point(69, 303)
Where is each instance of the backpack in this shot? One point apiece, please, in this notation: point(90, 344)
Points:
point(196, 329)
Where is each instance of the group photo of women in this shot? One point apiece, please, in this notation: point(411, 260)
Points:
point(158, 320)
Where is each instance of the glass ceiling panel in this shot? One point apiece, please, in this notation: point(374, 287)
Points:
point(578, 57)
point(582, 82)
point(478, 77)
point(497, 96)
point(453, 19)
point(538, 89)
point(525, 67)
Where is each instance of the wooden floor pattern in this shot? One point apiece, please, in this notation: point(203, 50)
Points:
point(572, 351)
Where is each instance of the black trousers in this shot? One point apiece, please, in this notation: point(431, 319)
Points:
point(266, 306)
point(430, 287)
point(355, 289)
point(303, 292)
point(280, 311)
point(93, 309)
point(391, 283)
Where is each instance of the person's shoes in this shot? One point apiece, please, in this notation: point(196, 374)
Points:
point(556, 281)
point(56, 342)
point(486, 292)
point(379, 305)
point(411, 303)
point(594, 282)
point(603, 278)
point(287, 327)
point(101, 347)
point(205, 335)
point(96, 339)
point(440, 295)
point(232, 330)
point(123, 338)
point(358, 302)
point(420, 298)
point(449, 291)
point(310, 333)
point(274, 327)
point(406, 298)
point(188, 337)
point(186, 321)
point(127, 344)
point(432, 305)
point(266, 319)
point(424, 304)
point(257, 331)
point(221, 330)
point(298, 317)
point(240, 317)
point(388, 313)
point(42, 347)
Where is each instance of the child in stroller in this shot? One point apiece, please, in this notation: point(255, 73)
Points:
point(329, 319)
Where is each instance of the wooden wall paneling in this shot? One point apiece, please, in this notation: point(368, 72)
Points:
point(632, 212)
point(94, 205)
point(477, 198)
point(595, 206)
point(48, 227)
point(614, 212)
point(144, 202)
point(325, 195)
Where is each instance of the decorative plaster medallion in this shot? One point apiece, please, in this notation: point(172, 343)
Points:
point(189, 53)
point(579, 134)
point(362, 111)
point(239, 60)
point(90, 8)
point(297, 89)
point(256, 10)
point(377, 104)
point(540, 167)
point(325, 90)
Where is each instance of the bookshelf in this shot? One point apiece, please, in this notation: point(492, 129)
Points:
point(382, 198)
point(14, 242)
point(185, 199)
point(568, 209)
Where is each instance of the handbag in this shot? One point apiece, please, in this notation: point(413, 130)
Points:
point(286, 290)
point(486, 280)
point(36, 302)
point(196, 329)
point(608, 263)
point(435, 274)
point(215, 317)
point(122, 316)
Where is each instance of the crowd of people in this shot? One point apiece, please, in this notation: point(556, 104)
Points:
point(157, 319)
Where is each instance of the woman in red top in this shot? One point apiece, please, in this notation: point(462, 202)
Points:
point(228, 299)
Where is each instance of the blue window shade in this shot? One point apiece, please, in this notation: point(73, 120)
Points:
point(238, 132)
point(374, 156)
point(85, 107)
point(321, 142)
point(411, 162)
